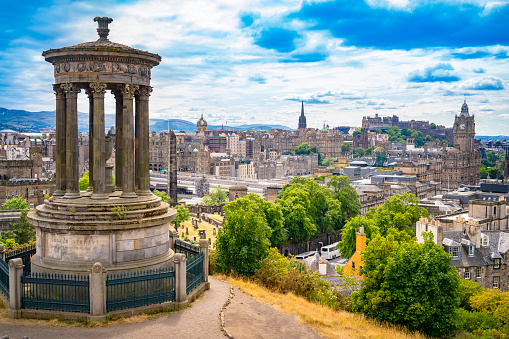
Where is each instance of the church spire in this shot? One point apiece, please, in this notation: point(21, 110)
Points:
point(302, 118)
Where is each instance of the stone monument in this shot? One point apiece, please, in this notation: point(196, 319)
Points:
point(125, 228)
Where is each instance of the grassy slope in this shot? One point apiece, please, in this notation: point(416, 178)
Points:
point(325, 321)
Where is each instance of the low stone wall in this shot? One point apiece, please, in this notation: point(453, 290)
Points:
point(198, 209)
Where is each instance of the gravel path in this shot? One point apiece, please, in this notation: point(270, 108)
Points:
point(244, 317)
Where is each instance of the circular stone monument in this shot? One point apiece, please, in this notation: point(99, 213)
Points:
point(125, 227)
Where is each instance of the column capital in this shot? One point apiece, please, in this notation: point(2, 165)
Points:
point(144, 92)
point(59, 92)
point(97, 89)
point(128, 90)
point(71, 90)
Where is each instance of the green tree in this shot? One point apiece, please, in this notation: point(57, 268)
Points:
point(327, 161)
point(359, 152)
point(16, 203)
point(408, 284)
point(295, 205)
point(369, 150)
point(243, 241)
point(181, 216)
point(467, 289)
point(161, 194)
point(433, 126)
point(346, 147)
point(357, 132)
point(400, 211)
point(495, 303)
point(218, 196)
point(347, 244)
point(346, 195)
point(23, 232)
point(303, 148)
point(84, 181)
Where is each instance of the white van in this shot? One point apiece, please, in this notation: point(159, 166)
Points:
point(330, 251)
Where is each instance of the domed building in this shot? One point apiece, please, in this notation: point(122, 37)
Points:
point(201, 125)
point(462, 163)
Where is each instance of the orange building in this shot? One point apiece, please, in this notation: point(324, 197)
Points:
point(354, 264)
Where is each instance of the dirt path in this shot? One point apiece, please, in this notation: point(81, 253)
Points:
point(248, 318)
point(244, 318)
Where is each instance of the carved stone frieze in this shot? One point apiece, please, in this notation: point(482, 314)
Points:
point(140, 70)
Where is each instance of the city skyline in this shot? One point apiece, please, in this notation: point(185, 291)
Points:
point(246, 62)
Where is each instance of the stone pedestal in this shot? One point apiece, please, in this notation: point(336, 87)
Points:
point(122, 235)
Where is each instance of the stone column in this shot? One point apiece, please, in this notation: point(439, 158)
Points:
point(60, 142)
point(15, 273)
point(97, 287)
point(2, 252)
point(142, 155)
point(128, 91)
point(204, 247)
point(118, 137)
point(98, 142)
point(71, 141)
point(90, 138)
point(179, 262)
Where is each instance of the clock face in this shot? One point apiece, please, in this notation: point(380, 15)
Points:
point(462, 126)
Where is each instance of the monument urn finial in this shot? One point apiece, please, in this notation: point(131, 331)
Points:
point(103, 29)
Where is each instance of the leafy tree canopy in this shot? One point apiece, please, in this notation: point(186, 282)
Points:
point(84, 181)
point(243, 241)
point(181, 216)
point(23, 232)
point(16, 203)
point(218, 196)
point(408, 284)
point(346, 147)
point(347, 244)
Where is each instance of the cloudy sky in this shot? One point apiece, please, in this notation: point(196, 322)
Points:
point(248, 61)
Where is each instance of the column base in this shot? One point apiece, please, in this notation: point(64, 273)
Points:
point(128, 195)
point(59, 193)
point(144, 192)
point(72, 195)
point(99, 196)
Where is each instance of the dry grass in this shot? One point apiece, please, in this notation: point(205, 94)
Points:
point(325, 321)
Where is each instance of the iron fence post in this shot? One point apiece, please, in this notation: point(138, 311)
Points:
point(179, 261)
point(204, 247)
point(97, 279)
point(15, 274)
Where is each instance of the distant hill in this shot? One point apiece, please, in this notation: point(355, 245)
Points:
point(45, 120)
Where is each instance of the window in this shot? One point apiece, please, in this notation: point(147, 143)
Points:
point(455, 252)
point(467, 273)
point(496, 263)
point(31, 205)
point(485, 241)
point(353, 265)
point(471, 250)
point(496, 281)
point(478, 272)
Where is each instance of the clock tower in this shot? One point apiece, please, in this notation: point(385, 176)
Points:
point(464, 130)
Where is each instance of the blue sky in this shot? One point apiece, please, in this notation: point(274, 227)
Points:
point(240, 61)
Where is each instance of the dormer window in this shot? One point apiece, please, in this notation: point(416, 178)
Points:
point(471, 250)
point(455, 251)
point(496, 263)
point(484, 241)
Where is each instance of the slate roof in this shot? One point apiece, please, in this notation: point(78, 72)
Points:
point(459, 238)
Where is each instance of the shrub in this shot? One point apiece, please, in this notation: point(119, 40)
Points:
point(284, 275)
point(476, 321)
point(466, 290)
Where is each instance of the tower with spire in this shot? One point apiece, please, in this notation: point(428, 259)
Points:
point(302, 118)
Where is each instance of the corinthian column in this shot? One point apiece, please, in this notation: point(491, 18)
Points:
point(71, 141)
point(118, 137)
point(142, 156)
point(98, 146)
point(90, 137)
point(60, 141)
point(128, 91)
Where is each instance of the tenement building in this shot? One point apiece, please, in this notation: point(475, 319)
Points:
point(478, 241)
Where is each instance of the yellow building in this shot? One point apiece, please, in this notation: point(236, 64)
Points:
point(354, 264)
